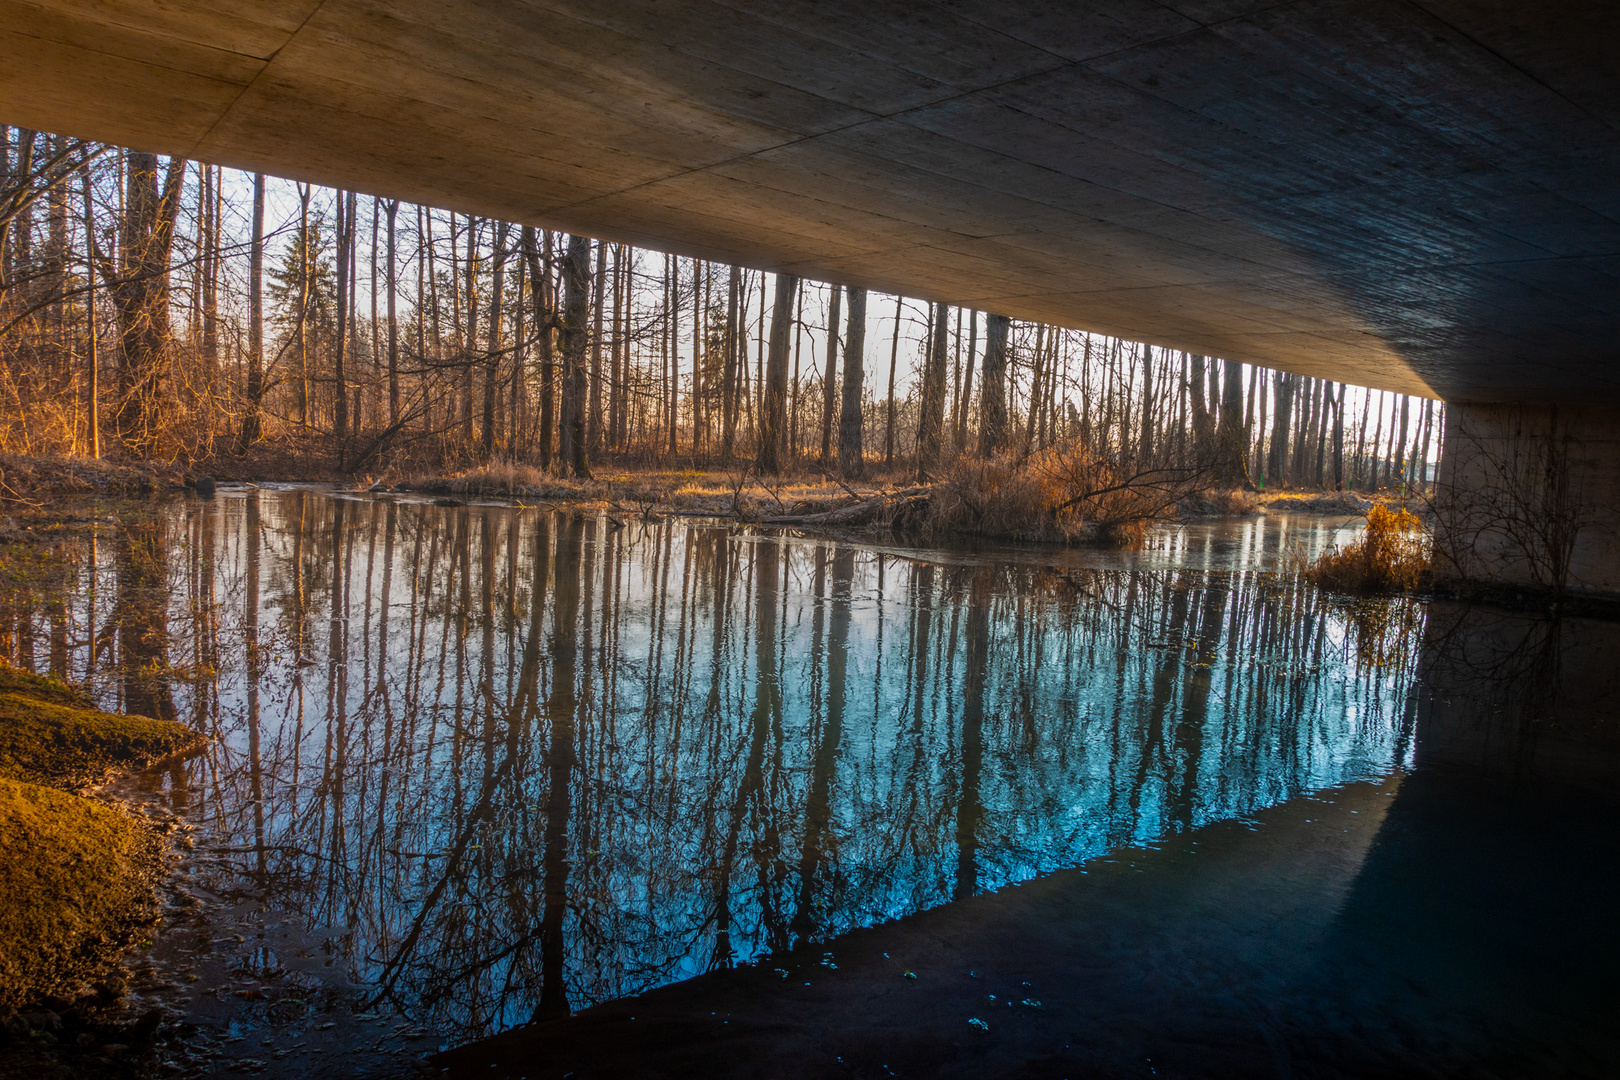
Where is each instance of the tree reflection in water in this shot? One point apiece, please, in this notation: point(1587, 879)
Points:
point(537, 761)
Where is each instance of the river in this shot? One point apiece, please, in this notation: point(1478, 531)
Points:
point(473, 767)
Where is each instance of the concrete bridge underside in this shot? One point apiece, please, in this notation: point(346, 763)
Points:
point(1421, 196)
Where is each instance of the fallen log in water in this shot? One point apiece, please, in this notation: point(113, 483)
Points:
point(883, 509)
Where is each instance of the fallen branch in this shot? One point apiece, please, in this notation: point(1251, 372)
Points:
point(882, 510)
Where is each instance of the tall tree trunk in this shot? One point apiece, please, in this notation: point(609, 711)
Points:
point(1375, 460)
point(340, 405)
point(544, 324)
point(250, 430)
point(352, 329)
point(393, 320)
point(793, 399)
point(1202, 425)
point(469, 340)
point(492, 359)
point(1357, 465)
point(1231, 439)
point(851, 451)
point(757, 394)
point(1256, 424)
point(1322, 433)
point(92, 352)
point(1305, 430)
point(959, 422)
point(1145, 450)
point(593, 434)
point(829, 377)
point(1037, 382)
point(672, 346)
point(1398, 471)
point(376, 323)
point(931, 423)
point(894, 361)
point(576, 301)
point(956, 391)
point(728, 381)
point(306, 271)
point(773, 407)
point(140, 292)
point(993, 389)
point(1279, 430)
point(518, 396)
point(698, 310)
point(618, 405)
point(214, 199)
point(1338, 441)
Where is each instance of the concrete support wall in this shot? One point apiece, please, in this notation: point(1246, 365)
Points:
point(1529, 496)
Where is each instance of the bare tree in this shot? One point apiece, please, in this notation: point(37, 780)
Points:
point(251, 423)
point(829, 377)
point(728, 381)
point(993, 392)
point(851, 452)
point(773, 407)
point(575, 337)
point(393, 317)
point(931, 426)
point(139, 285)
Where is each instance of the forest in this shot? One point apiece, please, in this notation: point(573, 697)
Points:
point(167, 310)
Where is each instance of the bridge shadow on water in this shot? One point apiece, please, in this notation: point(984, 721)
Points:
point(1450, 919)
point(497, 791)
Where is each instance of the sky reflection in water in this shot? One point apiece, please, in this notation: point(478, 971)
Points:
point(521, 762)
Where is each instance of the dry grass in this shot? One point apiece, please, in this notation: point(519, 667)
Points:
point(1234, 503)
point(25, 479)
point(508, 479)
point(1315, 502)
point(1390, 556)
point(1064, 492)
point(736, 492)
point(998, 498)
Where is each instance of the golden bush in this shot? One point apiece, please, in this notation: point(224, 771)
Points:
point(1390, 556)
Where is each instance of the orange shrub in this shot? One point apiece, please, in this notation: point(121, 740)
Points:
point(1390, 556)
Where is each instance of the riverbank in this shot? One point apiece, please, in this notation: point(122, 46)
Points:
point(1048, 500)
point(736, 491)
point(78, 878)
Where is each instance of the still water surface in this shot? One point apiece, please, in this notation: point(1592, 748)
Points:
point(475, 765)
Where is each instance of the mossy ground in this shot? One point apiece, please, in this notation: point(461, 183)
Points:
point(76, 875)
point(69, 746)
point(75, 885)
point(41, 688)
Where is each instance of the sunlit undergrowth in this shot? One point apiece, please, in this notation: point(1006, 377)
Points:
point(24, 477)
point(1390, 556)
point(1063, 492)
point(508, 479)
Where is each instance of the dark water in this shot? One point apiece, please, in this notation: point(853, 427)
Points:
point(476, 766)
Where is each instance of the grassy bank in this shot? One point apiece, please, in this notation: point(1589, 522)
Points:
point(30, 479)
